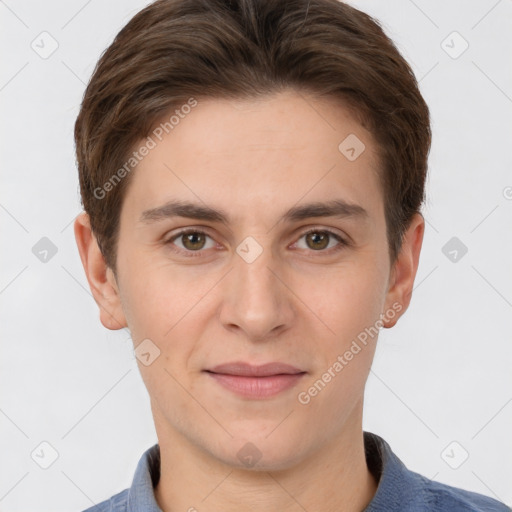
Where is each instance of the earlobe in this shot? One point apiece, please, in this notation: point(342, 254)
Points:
point(99, 276)
point(404, 271)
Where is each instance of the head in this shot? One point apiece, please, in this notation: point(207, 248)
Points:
point(248, 120)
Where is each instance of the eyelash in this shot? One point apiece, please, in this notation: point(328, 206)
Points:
point(191, 254)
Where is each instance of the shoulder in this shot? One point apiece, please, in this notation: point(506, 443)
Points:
point(440, 497)
point(117, 503)
point(401, 489)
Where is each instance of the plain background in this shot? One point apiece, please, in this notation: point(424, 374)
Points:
point(441, 383)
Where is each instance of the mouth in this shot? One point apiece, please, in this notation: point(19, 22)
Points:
point(256, 382)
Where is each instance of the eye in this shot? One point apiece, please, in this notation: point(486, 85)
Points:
point(193, 240)
point(318, 240)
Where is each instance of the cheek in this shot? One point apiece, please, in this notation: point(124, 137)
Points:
point(349, 299)
point(146, 308)
point(344, 364)
point(154, 298)
point(166, 306)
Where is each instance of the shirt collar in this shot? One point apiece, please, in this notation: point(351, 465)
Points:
point(398, 488)
point(141, 494)
point(396, 485)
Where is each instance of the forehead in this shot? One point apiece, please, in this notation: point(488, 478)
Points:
point(258, 154)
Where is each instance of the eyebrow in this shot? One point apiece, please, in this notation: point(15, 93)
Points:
point(338, 208)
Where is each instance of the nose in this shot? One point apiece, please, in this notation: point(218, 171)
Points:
point(256, 300)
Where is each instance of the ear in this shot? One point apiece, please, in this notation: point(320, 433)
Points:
point(101, 279)
point(404, 270)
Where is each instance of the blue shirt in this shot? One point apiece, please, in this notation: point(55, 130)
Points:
point(399, 489)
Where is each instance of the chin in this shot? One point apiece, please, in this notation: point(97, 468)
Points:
point(260, 454)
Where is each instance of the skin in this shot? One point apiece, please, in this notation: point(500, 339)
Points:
point(294, 303)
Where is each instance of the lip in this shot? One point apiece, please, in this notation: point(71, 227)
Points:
point(241, 368)
point(256, 382)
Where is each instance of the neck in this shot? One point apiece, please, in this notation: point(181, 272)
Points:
point(334, 477)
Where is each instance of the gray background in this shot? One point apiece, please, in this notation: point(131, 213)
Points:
point(441, 384)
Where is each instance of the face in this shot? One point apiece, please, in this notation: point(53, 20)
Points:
point(261, 276)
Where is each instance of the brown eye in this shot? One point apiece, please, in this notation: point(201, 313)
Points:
point(317, 240)
point(320, 239)
point(192, 241)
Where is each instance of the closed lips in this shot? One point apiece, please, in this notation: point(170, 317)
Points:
point(243, 369)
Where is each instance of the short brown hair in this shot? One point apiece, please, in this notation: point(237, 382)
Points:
point(175, 50)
